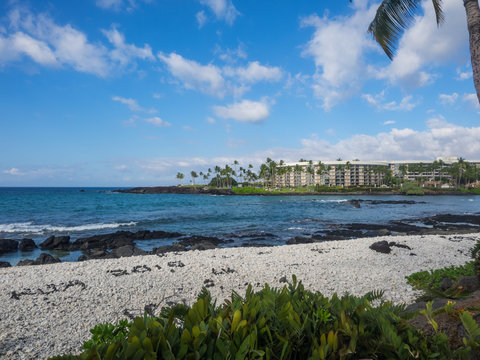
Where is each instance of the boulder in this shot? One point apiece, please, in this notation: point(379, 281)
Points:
point(105, 241)
point(56, 243)
point(27, 245)
point(4, 264)
point(7, 245)
point(169, 248)
point(469, 283)
point(204, 245)
point(45, 258)
point(26, 262)
point(128, 250)
point(299, 240)
point(446, 283)
point(381, 247)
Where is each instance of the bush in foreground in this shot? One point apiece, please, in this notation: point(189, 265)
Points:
point(291, 323)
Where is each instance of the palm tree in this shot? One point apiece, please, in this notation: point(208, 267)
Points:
point(180, 177)
point(194, 175)
point(394, 16)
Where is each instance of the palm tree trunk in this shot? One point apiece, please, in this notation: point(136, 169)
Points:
point(473, 21)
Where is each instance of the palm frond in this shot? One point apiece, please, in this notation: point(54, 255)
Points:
point(393, 17)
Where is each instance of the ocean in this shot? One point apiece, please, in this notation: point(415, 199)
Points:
point(37, 213)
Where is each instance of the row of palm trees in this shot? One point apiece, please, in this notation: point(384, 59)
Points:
point(235, 173)
point(460, 173)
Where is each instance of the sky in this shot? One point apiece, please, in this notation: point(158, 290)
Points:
point(130, 92)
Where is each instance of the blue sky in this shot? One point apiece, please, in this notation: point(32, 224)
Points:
point(129, 92)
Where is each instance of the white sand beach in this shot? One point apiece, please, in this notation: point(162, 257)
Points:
point(48, 310)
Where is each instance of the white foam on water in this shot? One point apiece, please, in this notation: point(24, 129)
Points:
point(29, 227)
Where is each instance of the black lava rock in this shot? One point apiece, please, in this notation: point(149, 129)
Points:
point(4, 264)
point(299, 240)
point(469, 283)
point(7, 245)
point(27, 245)
point(56, 243)
point(128, 250)
point(381, 247)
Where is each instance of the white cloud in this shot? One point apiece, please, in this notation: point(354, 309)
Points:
point(157, 121)
point(110, 4)
point(244, 111)
point(231, 55)
point(440, 139)
point(201, 18)
point(213, 80)
point(125, 53)
point(472, 100)
point(255, 72)
point(132, 104)
point(211, 120)
point(464, 75)
point(117, 5)
point(389, 122)
point(447, 99)
point(49, 44)
point(425, 44)
point(337, 47)
point(194, 76)
point(223, 9)
point(378, 101)
point(37, 50)
point(13, 171)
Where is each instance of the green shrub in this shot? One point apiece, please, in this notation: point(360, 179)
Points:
point(411, 188)
point(429, 281)
point(288, 323)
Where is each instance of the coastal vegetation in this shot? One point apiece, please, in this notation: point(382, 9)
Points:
point(287, 323)
point(435, 176)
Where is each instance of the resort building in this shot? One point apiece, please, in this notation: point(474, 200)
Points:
point(365, 173)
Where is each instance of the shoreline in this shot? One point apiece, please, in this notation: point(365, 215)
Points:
point(205, 190)
point(48, 310)
point(124, 243)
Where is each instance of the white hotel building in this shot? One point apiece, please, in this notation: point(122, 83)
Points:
point(358, 173)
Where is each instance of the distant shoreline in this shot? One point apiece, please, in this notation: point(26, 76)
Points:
point(205, 190)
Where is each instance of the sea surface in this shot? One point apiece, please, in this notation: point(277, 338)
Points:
point(37, 213)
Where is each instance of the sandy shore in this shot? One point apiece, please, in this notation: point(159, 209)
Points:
point(48, 310)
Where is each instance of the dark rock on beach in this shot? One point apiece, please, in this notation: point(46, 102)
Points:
point(385, 247)
point(128, 250)
point(27, 245)
point(381, 247)
point(300, 240)
point(43, 259)
point(169, 248)
point(56, 243)
point(7, 245)
point(4, 264)
point(119, 239)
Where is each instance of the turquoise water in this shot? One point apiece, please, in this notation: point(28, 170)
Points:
point(40, 212)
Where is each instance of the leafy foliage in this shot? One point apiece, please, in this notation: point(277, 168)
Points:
point(429, 281)
point(287, 323)
point(410, 188)
point(393, 17)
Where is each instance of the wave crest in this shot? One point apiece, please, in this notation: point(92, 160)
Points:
point(29, 227)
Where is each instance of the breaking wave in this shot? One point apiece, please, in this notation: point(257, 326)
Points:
point(29, 227)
